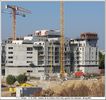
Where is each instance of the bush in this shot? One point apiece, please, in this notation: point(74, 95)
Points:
point(22, 78)
point(10, 79)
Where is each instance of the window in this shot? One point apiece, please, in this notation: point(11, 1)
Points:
point(96, 53)
point(77, 49)
point(10, 47)
point(10, 61)
point(29, 57)
point(40, 70)
point(57, 61)
point(29, 61)
point(84, 44)
point(29, 52)
point(29, 71)
point(80, 44)
point(77, 62)
point(3, 71)
point(10, 52)
point(10, 57)
point(29, 48)
point(57, 49)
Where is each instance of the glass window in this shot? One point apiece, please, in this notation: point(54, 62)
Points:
point(29, 61)
point(10, 47)
point(80, 44)
point(84, 44)
point(29, 71)
point(29, 48)
point(29, 52)
point(29, 57)
point(10, 61)
point(10, 57)
point(10, 52)
point(40, 70)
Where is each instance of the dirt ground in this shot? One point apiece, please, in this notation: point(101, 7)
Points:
point(58, 86)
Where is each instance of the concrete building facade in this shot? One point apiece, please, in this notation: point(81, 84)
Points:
point(42, 50)
point(36, 51)
point(85, 53)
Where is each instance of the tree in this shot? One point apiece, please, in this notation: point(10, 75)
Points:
point(10, 79)
point(101, 61)
point(22, 78)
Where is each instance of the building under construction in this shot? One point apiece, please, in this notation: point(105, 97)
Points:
point(39, 54)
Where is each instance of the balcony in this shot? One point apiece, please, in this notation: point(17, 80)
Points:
point(40, 59)
point(40, 51)
point(37, 46)
point(42, 55)
point(40, 63)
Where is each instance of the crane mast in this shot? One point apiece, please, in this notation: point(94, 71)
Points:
point(62, 72)
point(14, 23)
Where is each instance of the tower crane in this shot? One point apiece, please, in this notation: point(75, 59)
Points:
point(62, 72)
point(15, 10)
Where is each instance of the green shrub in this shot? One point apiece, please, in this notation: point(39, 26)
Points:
point(10, 79)
point(22, 78)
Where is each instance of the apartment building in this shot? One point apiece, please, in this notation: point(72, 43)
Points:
point(51, 48)
point(84, 53)
point(39, 52)
point(42, 50)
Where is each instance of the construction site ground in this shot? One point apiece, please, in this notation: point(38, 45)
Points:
point(56, 86)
